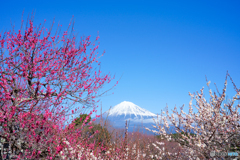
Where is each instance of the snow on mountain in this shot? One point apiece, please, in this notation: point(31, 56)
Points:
point(129, 111)
point(137, 117)
point(129, 108)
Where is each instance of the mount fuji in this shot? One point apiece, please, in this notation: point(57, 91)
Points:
point(137, 117)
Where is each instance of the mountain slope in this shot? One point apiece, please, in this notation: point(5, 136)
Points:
point(137, 117)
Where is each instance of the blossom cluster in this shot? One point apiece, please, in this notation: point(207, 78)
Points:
point(214, 127)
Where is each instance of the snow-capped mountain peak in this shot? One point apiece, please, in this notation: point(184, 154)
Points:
point(129, 108)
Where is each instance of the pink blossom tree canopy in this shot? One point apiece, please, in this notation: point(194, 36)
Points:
point(42, 78)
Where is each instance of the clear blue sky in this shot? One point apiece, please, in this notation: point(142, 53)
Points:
point(162, 49)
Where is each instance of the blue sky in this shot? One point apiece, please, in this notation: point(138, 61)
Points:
point(161, 49)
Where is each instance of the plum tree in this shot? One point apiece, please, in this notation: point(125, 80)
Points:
point(45, 74)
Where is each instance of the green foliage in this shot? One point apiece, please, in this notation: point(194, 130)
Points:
point(235, 145)
point(177, 137)
point(79, 121)
point(100, 134)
